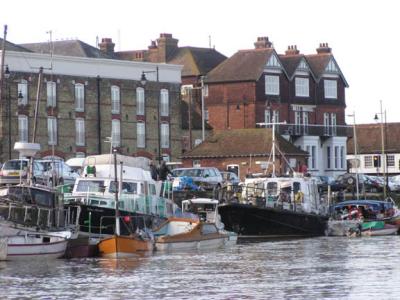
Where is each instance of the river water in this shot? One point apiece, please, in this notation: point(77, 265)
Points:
point(317, 268)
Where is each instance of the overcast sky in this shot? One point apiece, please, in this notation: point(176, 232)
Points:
point(364, 35)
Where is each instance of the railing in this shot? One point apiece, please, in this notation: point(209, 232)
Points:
point(314, 130)
point(34, 216)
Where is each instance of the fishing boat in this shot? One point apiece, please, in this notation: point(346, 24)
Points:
point(363, 218)
point(199, 228)
point(123, 245)
point(139, 195)
point(35, 246)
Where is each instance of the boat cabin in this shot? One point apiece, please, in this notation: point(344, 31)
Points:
point(205, 208)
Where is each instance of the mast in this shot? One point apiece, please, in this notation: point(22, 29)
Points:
point(273, 149)
point(117, 228)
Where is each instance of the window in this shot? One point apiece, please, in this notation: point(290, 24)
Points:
point(164, 103)
point(342, 157)
point(23, 128)
point(313, 156)
point(141, 135)
point(268, 119)
point(79, 97)
point(297, 122)
point(80, 132)
point(205, 90)
point(333, 124)
point(52, 130)
point(390, 160)
point(115, 100)
point(206, 114)
point(337, 158)
point(23, 89)
point(116, 133)
point(330, 89)
point(326, 123)
point(302, 87)
point(140, 101)
point(368, 161)
point(328, 157)
point(271, 85)
point(305, 122)
point(164, 135)
point(51, 94)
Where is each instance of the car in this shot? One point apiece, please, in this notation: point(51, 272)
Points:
point(15, 171)
point(325, 181)
point(230, 178)
point(62, 172)
point(348, 180)
point(206, 177)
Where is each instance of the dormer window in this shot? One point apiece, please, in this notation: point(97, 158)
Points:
point(302, 87)
point(330, 89)
point(271, 85)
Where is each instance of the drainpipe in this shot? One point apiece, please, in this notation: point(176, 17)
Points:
point(98, 79)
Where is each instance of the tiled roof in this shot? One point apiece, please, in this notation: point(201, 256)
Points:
point(243, 65)
point(290, 63)
point(369, 139)
point(242, 142)
point(68, 48)
point(196, 61)
point(13, 47)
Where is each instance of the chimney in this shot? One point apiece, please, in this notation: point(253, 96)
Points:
point(167, 45)
point(107, 46)
point(323, 48)
point(262, 43)
point(292, 50)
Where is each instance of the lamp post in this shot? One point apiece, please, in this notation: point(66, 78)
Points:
point(383, 160)
point(143, 81)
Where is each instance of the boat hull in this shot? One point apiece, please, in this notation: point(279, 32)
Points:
point(81, 247)
point(35, 247)
point(123, 246)
point(250, 221)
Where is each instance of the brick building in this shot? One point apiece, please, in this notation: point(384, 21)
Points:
point(236, 148)
point(86, 98)
point(305, 91)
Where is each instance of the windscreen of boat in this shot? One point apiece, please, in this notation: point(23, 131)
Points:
point(15, 165)
point(272, 188)
point(127, 187)
point(94, 186)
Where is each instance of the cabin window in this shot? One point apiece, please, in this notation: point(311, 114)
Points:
point(272, 188)
point(127, 187)
point(152, 189)
point(90, 186)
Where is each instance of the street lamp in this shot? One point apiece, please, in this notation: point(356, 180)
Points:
point(383, 160)
point(143, 81)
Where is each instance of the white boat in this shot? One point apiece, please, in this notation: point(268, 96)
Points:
point(138, 193)
point(199, 228)
point(35, 246)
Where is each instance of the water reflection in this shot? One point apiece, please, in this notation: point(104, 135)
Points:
point(289, 269)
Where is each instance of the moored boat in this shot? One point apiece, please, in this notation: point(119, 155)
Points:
point(277, 207)
point(35, 246)
point(118, 246)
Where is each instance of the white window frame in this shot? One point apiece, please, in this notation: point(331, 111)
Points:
point(302, 87)
point(23, 89)
point(141, 135)
point(140, 101)
point(80, 132)
point(115, 100)
point(326, 124)
point(297, 122)
point(52, 130)
point(51, 87)
point(79, 97)
point(337, 157)
point(23, 128)
point(333, 124)
point(116, 132)
point(164, 133)
point(164, 103)
point(272, 85)
point(390, 161)
point(305, 121)
point(342, 157)
point(330, 89)
point(368, 161)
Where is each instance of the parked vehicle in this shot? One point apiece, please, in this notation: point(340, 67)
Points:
point(206, 177)
point(58, 171)
point(325, 181)
point(348, 180)
point(394, 183)
point(15, 171)
point(230, 178)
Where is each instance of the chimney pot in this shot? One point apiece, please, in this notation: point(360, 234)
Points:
point(262, 43)
point(324, 48)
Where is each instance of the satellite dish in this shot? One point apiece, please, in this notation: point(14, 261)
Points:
point(27, 149)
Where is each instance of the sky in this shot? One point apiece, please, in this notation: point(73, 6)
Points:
point(363, 35)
